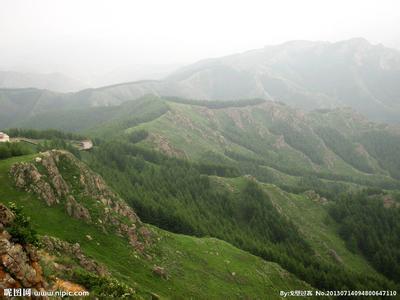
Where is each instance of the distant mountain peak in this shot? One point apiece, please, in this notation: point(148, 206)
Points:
point(357, 41)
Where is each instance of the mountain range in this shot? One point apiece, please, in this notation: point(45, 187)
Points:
point(306, 75)
point(239, 177)
point(286, 196)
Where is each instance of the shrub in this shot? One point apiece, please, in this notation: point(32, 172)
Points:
point(103, 286)
point(21, 229)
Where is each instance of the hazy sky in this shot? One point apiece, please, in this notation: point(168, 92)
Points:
point(99, 35)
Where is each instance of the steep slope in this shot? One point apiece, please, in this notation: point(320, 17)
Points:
point(279, 144)
point(270, 140)
point(111, 119)
point(309, 212)
point(267, 139)
point(20, 105)
point(17, 256)
point(304, 74)
point(121, 251)
point(181, 196)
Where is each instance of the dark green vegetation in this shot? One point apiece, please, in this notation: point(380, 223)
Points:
point(56, 143)
point(21, 229)
point(327, 150)
point(111, 118)
point(29, 141)
point(330, 151)
point(344, 148)
point(174, 195)
point(102, 286)
point(216, 103)
point(201, 268)
point(385, 146)
point(47, 134)
point(371, 227)
point(242, 172)
point(8, 150)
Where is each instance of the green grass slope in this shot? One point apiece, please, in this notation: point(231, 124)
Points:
point(110, 119)
point(199, 268)
point(309, 213)
point(337, 146)
point(182, 197)
point(260, 138)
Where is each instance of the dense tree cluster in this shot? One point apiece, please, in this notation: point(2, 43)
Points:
point(58, 144)
point(385, 148)
point(128, 115)
point(137, 136)
point(301, 139)
point(344, 148)
point(21, 229)
point(8, 150)
point(313, 179)
point(43, 134)
point(372, 229)
point(213, 104)
point(176, 195)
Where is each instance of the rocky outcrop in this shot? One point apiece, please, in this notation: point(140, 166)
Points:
point(390, 202)
point(50, 161)
point(335, 256)
point(6, 216)
point(163, 145)
point(68, 286)
point(160, 271)
point(27, 177)
point(48, 184)
point(58, 247)
point(57, 177)
point(314, 196)
point(76, 210)
point(19, 264)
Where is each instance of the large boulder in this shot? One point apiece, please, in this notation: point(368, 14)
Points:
point(6, 215)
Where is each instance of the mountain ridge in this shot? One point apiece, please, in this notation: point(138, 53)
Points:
point(319, 75)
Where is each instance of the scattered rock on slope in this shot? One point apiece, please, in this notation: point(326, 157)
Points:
point(60, 178)
point(57, 246)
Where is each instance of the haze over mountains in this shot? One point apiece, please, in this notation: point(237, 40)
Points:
point(49, 81)
point(200, 150)
point(303, 74)
point(30, 77)
point(248, 174)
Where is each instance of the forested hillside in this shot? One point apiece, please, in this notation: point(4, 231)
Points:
point(180, 197)
point(330, 150)
point(289, 187)
point(183, 150)
point(91, 240)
